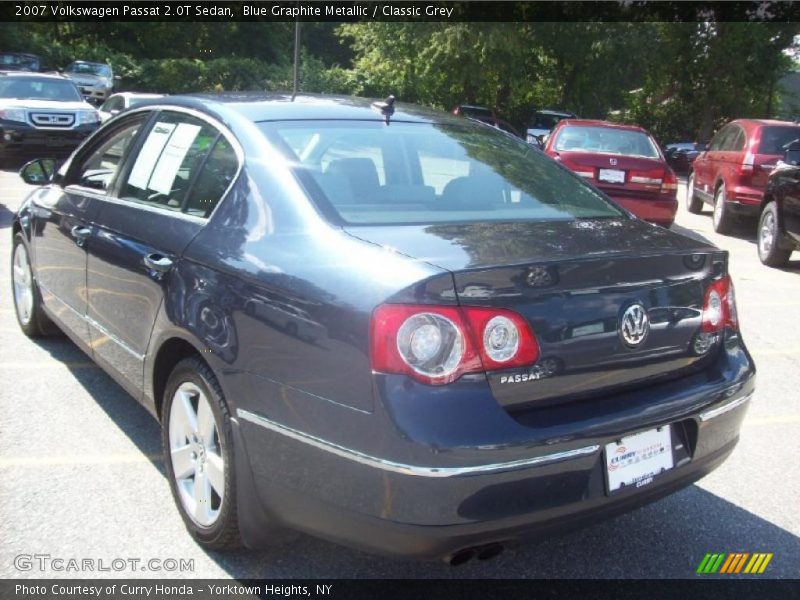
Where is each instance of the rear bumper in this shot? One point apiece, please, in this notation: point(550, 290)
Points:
point(429, 502)
point(661, 212)
point(745, 201)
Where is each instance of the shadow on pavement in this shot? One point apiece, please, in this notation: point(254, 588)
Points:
point(665, 539)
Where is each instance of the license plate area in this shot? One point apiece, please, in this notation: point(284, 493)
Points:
point(611, 175)
point(636, 460)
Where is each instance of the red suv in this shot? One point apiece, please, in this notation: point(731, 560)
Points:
point(732, 173)
point(624, 161)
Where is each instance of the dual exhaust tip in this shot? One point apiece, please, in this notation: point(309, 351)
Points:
point(485, 552)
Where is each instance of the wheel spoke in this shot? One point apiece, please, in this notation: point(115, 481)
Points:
point(182, 464)
point(185, 415)
point(215, 471)
point(205, 420)
point(202, 498)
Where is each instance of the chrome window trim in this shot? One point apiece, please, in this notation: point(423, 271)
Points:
point(405, 469)
point(218, 125)
point(721, 410)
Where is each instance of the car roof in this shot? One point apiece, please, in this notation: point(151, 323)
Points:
point(33, 74)
point(598, 123)
point(551, 111)
point(279, 106)
point(89, 62)
point(764, 122)
point(137, 94)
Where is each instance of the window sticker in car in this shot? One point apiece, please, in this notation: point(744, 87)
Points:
point(149, 154)
point(172, 157)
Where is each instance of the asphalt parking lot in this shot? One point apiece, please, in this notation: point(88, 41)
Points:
point(81, 474)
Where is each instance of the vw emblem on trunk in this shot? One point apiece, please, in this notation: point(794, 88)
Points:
point(634, 325)
point(613, 162)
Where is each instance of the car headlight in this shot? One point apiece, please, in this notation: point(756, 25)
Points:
point(88, 117)
point(13, 114)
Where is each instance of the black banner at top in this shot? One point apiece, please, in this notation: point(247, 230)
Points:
point(365, 11)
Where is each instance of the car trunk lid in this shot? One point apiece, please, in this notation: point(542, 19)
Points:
point(617, 174)
point(572, 282)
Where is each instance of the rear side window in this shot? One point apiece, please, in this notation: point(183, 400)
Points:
point(719, 139)
point(213, 180)
point(368, 173)
point(774, 138)
point(169, 159)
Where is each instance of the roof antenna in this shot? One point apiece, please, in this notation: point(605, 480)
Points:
point(296, 52)
point(386, 108)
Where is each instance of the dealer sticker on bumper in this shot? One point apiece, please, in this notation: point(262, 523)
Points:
point(635, 460)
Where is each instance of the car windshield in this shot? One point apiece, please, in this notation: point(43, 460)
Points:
point(18, 62)
point(89, 69)
point(607, 140)
point(32, 88)
point(773, 139)
point(368, 173)
point(544, 121)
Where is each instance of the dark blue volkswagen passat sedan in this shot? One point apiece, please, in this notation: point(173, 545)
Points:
point(386, 326)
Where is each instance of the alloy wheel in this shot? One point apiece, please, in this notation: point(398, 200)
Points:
point(23, 284)
point(767, 233)
point(198, 465)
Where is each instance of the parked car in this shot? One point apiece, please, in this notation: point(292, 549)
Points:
point(543, 122)
point(41, 114)
point(95, 80)
point(486, 115)
point(116, 103)
point(479, 113)
point(623, 161)
point(499, 351)
point(19, 61)
point(732, 172)
point(681, 155)
point(779, 221)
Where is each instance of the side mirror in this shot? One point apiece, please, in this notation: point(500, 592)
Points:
point(117, 78)
point(38, 171)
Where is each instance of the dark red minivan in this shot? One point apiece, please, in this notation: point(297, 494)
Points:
point(624, 161)
point(732, 173)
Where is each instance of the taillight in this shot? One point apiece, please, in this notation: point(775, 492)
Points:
point(438, 344)
point(719, 306)
point(670, 183)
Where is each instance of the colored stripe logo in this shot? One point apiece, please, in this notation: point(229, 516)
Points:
point(734, 562)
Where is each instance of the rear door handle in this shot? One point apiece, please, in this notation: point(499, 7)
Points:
point(158, 262)
point(80, 233)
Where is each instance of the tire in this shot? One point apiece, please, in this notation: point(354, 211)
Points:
point(769, 237)
point(693, 204)
point(27, 300)
point(722, 218)
point(197, 436)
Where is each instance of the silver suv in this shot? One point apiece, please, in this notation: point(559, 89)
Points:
point(41, 115)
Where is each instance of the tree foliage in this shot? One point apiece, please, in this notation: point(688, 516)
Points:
point(679, 79)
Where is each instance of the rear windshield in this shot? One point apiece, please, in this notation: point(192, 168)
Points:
point(24, 62)
point(773, 139)
point(606, 140)
point(89, 69)
point(32, 88)
point(370, 173)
